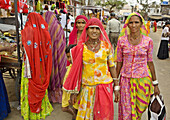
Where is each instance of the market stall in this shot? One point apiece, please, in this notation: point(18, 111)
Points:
point(12, 62)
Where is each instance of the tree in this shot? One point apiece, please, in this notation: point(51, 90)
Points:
point(118, 4)
point(146, 5)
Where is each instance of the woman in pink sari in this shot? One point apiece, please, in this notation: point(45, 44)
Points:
point(79, 25)
point(90, 77)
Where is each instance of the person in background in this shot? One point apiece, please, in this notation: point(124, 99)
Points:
point(79, 25)
point(63, 18)
point(92, 74)
point(66, 95)
point(113, 29)
point(72, 26)
point(59, 59)
point(148, 26)
point(163, 51)
point(75, 34)
point(134, 57)
point(154, 26)
point(104, 24)
point(4, 103)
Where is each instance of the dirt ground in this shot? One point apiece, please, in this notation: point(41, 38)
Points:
point(163, 75)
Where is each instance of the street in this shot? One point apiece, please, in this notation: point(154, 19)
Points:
point(162, 68)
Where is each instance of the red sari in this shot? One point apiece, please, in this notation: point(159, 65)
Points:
point(154, 26)
point(37, 43)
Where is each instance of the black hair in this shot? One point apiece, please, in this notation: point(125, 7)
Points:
point(69, 47)
point(72, 23)
point(167, 23)
point(112, 14)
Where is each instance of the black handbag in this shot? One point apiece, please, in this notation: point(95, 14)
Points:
point(156, 108)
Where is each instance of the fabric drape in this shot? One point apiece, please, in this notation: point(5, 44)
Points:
point(59, 59)
point(37, 43)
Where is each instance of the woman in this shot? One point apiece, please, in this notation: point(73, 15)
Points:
point(36, 69)
point(154, 26)
point(148, 26)
point(134, 54)
point(79, 25)
point(163, 51)
point(4, 103)
point(89, 75)
point(59, 60)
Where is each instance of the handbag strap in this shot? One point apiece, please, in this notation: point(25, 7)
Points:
point(159, 100)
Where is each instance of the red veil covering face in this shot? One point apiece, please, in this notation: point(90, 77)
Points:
point(73, 34)
point(37, 43)
point(73, 81)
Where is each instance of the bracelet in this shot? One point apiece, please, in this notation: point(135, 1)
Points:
point(115, 78)
point(117, 88)
point(155, 82)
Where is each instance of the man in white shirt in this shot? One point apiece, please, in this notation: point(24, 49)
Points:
point(113, 30)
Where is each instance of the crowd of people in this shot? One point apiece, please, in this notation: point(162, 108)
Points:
point(84, 74)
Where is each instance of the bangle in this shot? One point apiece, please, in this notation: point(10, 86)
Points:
point(115, 78)
point(117, 88)
point(155, 82)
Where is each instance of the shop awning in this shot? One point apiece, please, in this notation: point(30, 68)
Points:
point(166, 16)
point(155, 17)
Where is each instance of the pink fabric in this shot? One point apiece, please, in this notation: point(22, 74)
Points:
point(134, 58)
point(125, 100)
point(73, 81)
point(73, 34)
point(103, 106)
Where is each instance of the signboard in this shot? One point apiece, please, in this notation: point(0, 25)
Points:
point(126, 13)
point(165, 3)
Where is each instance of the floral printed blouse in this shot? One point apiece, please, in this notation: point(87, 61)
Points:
point(95, 65)
point(134, 57)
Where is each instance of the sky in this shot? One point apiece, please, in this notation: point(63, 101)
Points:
point(133, 2)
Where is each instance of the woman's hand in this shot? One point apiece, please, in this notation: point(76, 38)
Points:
point(73, 99)
point(156, 90)
point(117, 96)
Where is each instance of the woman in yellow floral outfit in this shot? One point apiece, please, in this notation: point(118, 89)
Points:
point(92, 74)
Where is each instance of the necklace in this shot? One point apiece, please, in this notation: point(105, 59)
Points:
point(135, 38)
point(94, 42)
point(94, 47)
point(135, 41)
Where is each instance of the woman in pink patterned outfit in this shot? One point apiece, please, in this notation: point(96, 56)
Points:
point(134, 54)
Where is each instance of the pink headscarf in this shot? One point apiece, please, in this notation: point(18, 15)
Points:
point(73, 34)
point(73, 81)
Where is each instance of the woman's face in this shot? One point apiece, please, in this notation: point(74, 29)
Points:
point(134, 24)
point(80, 24)
point(69, 57)
point(93, 33)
